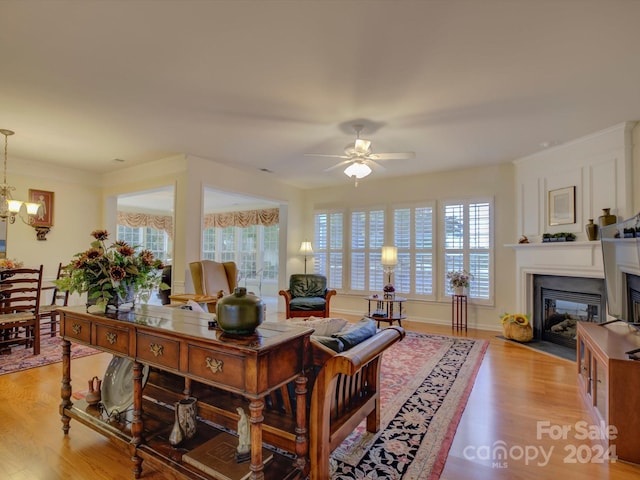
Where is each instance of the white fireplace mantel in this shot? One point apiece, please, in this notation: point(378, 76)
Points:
point(571, 259)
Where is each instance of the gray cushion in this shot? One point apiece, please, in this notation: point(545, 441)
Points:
point(333, 343)
point(364, 329)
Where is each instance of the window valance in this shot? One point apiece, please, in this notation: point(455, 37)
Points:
point(159, 222)
point(266, 217)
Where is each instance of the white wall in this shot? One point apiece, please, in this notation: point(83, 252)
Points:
point(598, 165)
point(77, 211)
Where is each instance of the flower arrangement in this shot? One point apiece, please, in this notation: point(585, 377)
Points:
point(8, 264)
point(109, 273)
point(459, 278)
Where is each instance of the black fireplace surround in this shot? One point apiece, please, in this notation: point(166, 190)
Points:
point(561, 301)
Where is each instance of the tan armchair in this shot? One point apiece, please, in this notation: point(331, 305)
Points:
point(211, 278)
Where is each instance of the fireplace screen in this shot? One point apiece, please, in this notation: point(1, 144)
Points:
point(562, 302)
point(561, 317)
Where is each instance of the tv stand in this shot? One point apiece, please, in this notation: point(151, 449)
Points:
point(609, 383)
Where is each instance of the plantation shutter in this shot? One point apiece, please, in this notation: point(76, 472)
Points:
point(328, 247)
point(468, 245)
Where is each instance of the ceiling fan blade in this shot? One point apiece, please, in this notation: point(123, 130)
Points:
point(338, 165)
point(376, 165)
point(392, 156)
point(325, 155)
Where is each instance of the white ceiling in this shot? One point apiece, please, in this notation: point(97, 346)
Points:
point(256, 84)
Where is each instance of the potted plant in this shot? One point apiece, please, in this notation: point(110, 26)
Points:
point(546, 237)
point(570, 237)
point(459, 280)
point(112, 275)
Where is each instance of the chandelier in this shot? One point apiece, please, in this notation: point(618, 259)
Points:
point(10, 208)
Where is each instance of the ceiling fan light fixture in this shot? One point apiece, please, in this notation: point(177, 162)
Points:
point(358, 170)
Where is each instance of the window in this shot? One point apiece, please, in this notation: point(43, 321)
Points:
point(367, 238)
point(467, 241)
point(147, 238)
point(254, 249)
point(328, 247)
point(351, 258)
point(413, 236)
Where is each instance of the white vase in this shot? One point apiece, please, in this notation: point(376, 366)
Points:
point(458, 290)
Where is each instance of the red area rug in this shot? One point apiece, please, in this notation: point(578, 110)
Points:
point(50, 352)
point(426, 381)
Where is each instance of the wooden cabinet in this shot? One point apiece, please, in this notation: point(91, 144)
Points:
point(180, 342)
point(609, 381)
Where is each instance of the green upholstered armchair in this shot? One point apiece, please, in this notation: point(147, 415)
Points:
point(307, 296)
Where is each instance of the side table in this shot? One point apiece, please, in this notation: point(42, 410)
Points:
point(386, 310)
point(458, 312)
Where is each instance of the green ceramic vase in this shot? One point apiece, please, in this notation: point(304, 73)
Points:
point(239, 313)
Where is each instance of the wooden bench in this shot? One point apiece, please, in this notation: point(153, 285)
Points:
point(345, 391)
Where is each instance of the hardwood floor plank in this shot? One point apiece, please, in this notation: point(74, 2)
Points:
point(515, 389)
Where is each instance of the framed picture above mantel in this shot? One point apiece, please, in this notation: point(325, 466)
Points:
point(562, 206)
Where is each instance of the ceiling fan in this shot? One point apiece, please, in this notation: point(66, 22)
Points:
point(358, 157)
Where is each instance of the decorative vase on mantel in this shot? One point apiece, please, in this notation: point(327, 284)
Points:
point(606, 218)
point(592, 230)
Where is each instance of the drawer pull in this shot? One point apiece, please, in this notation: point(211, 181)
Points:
point(112, 338)
point(76, 328)
point(214, 364)
point(156, 349)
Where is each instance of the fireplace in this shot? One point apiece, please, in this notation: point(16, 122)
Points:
point(633, 294)
point(559, 302)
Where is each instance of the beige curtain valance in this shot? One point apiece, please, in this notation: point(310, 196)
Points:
point(267, 218)
point(159, 222)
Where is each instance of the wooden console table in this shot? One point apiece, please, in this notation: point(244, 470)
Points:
point(180, 342)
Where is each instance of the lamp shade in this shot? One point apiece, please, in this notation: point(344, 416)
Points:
point(306, 248)
point(358, 170)
point(389, 256)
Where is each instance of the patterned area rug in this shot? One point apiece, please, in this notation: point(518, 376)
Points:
point(426, 381)
point(50, 352)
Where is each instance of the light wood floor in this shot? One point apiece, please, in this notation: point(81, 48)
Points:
point(515, 388)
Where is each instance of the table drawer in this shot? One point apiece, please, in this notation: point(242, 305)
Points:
point(78, 329)
point(222, 368)
point(158, 350)
point(112, 338)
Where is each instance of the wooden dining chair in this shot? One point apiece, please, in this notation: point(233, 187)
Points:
point(19, 304)
point(49, 311)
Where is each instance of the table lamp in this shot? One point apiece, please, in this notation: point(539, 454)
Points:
point(389, 260)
